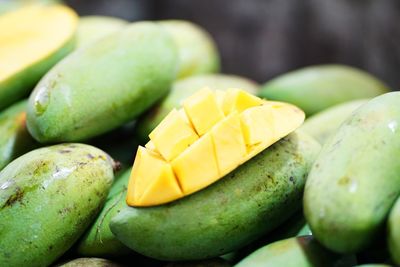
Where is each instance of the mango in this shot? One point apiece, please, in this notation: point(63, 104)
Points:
point(90, 262)
point(14, 139)
point(93, 28)
point(184, 88)
point(211, 136)
point(323, 124)
point(316, 88)
point(303, 251)
point(373, 265)
point(98, 240)
point(33, 39)
point(48, 197)
point(198, 53)
point(247, 203)
point(354, 181)
point(393, 235)
point(103, 85)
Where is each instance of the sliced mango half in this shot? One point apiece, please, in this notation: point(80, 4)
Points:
point(212, 134)
point(32, 40)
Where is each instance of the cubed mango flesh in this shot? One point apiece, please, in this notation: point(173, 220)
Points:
point(203, 110)
point(212, 135)
point(173, 135)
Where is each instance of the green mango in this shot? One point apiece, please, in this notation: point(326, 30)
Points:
point(354, 181)
point(316, 88)
point(14, 139)
point(373, 265)
point(184, 88)
point(303, 251)
point(103, 85)
point(290, 228)
point(394, 232)
point(198, 53)
point(244, 205)
point(92, 28)
point(323, 124)
point(98, 239)
point(48, 197)
point(90, 262)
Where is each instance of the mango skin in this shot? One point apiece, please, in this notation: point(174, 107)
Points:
point(15, 139)
point(99, 240)
point(48, 198)
point(393, 236)
point(184, 88)
point(90, 262)
point(354, 181)
point(92, 28)
point(21, 84)
point(103, 85)
point(198, 53)
point(303, 251)
point(318, 87)
point(323, 124)
point(227, 215)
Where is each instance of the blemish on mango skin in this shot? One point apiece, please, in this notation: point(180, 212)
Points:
point(14, 198)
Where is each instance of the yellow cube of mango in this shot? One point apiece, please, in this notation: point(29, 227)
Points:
point(230, 148)
point(150, 174)
point(197, 166)
point(173, 135)
point(258, 125)
point(237, 100)
point(203, 110)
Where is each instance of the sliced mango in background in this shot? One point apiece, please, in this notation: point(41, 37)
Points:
point(233, 126)
point(32, 40)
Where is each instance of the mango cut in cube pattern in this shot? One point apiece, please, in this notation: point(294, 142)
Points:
point(209, 137)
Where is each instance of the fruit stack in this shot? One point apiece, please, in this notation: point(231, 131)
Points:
point(122, 145)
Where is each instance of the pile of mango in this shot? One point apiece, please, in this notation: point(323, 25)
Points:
point(122, 145)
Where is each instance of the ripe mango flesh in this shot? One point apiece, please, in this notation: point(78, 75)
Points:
point(354, 182)
point(316, 88)
point(246, 204)
point(103, 85)
point(182, 89)
point(323, 124)
point(198, 53)
point(33, 39)
point(48, 198)
point(393, 235)
point(209, 137)
point(92, 28)
point(15, 139)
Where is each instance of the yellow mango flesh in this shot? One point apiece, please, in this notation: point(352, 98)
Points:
point(173, 135)
point(31, 34)
point(233, 127)
point(203, 110)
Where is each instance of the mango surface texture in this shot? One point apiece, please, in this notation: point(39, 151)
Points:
point(48, 198)
point(103, 85)
point(214, 133)
point(354, 181)
point(32, 40)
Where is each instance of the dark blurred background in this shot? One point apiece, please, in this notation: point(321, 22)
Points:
point(260, 39)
